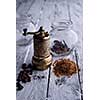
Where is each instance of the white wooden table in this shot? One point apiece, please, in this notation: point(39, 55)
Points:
point(29, 12)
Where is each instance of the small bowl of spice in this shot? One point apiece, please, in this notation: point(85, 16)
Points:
point(60, 48)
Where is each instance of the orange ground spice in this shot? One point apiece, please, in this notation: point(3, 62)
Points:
point(65, 67)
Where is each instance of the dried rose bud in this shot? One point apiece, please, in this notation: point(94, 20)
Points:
point(24, 66)
point(19, 86)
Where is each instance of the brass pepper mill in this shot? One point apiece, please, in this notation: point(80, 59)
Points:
point(42, 57)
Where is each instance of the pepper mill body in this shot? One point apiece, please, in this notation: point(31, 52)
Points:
point(42, 58)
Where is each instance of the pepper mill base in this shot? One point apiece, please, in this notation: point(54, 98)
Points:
point(41, 63)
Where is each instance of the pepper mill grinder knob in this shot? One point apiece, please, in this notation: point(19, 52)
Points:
point(41, 29)
point(25, 31)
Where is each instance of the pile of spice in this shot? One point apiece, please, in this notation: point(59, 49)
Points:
point(24, 75)
point(59, 47)
point(65, 67)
